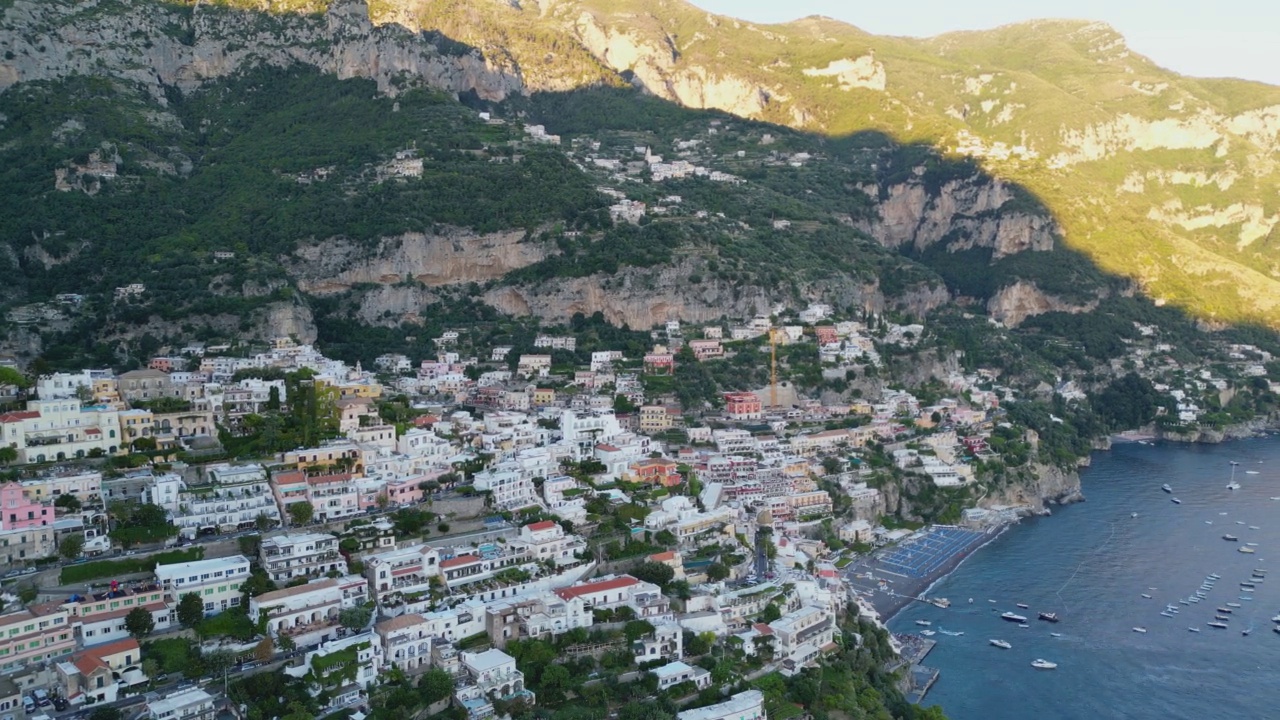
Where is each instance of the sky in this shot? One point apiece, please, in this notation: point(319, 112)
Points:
point(1204, 38)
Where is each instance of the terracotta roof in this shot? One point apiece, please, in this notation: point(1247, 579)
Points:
point(763, 629)
point(607, 447)
point(118, 646)
point(399, 623)
point(295, 590)
point(19, 416)
point(667, 556)
point(600, 586)
point(87, 664)
point(460, 560)
point(544, 525)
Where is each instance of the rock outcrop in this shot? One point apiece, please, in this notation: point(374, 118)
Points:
point(1014, 303)
point(186, 46)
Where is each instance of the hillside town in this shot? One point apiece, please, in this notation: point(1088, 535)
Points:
point(454, 517)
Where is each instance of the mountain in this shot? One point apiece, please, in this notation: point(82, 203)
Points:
point(326, 170)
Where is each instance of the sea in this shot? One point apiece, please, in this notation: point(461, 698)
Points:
point(1091, 563)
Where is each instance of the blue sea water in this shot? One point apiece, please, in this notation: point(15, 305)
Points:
point(1091, 563)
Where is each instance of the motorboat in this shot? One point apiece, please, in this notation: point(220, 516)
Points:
point(1049, 617)
point(1041, 664)
point(1230, 538)
point(1233, 605)
point(1276, 619)
point(1133, 515)
point(1233, 485)
point(925, 623)
point(952, 634)
point(1239, 522)
point(1167, 614)
point(1246, 549)
point(1277, 629)
point(1140, 630)
point(1185, 602)
point(928, 633)
point(1214, 576)
point(1245, 632)
point(1000, 644)
point(1194, 629)
point(1254, 527)
point(941, 602)
point(1220, 626)
point(1259, 572)
point(1246, 598)
point(1165, 487)
point(1013, 617)
point(1024, 606)
point(1146, 596)
point(1055, 634)
point(1235, 462)
point(1024, 626)
point(990, 600)
point(1224, 610)
point(1221, 618)
point(1176, 501)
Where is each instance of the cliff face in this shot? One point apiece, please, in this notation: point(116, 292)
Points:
point(155, 45)
point(1043, 485)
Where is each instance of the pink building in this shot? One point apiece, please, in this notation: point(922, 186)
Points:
point(406, 491)
point(19, 512)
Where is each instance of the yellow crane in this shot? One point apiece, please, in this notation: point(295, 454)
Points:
point(773, 367)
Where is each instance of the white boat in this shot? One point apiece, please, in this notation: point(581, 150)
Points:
point(1233, 605)
point(1230, 538)
point(1184, 602)
point(1276, 619)
point(1239, 522)
point(1024, 626)
point(1133, 515)
point(1055, 634)
point(1214, 576)
point(1013, 617)
point(1000, 644)
point(1040, 664)
point(1250, 472)
point(952, 634)
point(1165, 487)
point(925, 623)
point(1252, 544)
point(1220, 626)
point(1176, 501)
point(1246, 549)
point(1024, 606)
point(1276, 497)
point(1146, 596)
point(1208, 522)
point(990, 600)
point(1139, 629)
point(1254, 527)
point(1194, 629)
point(1233, 485)
point(1167, 614)
point(928, 633)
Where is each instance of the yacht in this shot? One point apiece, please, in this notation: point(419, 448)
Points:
point(1230, 538)
point(1001, 644)
point(1233, 485)
point(1176, 501)
point(1259, 572)
point(1146, 596)
point(1194, 629)
point(1246, 549)
point(1224, 610)
point(1221, 618)
point(1167, 614)
point(1140, 630)
point(1024, 606)
point(1233, 605)
point(928, 633)
point(925, 623)
point(1049, 617)
point(1220, 626)
point(1043, 664)
point(1276, 619)
point(1214, 576)
point(1055, 634)
point(1013, 617)
point(1165, 487)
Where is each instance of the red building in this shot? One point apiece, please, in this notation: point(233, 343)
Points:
point(826, 335)
point(743, 406)
point(654, 471)
point(659, 363)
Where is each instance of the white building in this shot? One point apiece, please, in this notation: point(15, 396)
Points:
point(495, 675)
point(189, 704)
point(308, 614)
point(678, 672)
point(747, 705)
point(292, 555)
point(217, 582)
point(234, 499)
point(406, 642)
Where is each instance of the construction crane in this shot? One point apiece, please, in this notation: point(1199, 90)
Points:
point(773, 367)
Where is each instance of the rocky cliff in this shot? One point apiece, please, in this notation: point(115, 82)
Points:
point(158, 45)
point(1037, 488)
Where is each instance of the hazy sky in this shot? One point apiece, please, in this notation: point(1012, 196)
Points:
point(1226, 38)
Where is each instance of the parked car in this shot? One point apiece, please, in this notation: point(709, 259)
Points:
point(59, 704)
point(28, 704)
point(42, 698)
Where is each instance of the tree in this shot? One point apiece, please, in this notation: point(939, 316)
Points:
point(106, 713)
point(190, 610)
point(356, 618)
point(301, 513)
point(287, 644)
point(69, 502)
point(436, 685)
point(71, 546)
point(217, 661)
point(655, 572)
point(263, 522)
point(383, 501)
point(717, 571)
point(264, 650)
point(636, 629)
point(770, 613)
point(8, 455)
point(139, 622)
point(28, 593)
point(250, 544)
point(9, 376)
point(553, 684)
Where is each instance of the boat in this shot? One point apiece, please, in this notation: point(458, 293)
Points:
point(1239, 522)
point(1140, 630)
point(1275, 497)
point(928, 633)
point(1230, 538)
point(1146, 596)
point(1040, 664)
point(1000, 644)
point(1208, 522)
point(1250, 472)
point(1133, 515)
point(970, 601)
point(1024, 626)
point(1049, 617)
point(1259, 572)
point(1176, 501)
point(1194, 629)
point(1214, 576)
point(1220, 626)
point(1233, 605)
point(1245, 549)
point(941, 602)
point(1276, 619)
point(1165, 487)
point(952, 634)
point(1252, 544)
point(1246, 598)
point(1184, 602)
point(1013, 617)
point(1225, 611)
point(1222, 618)
point(1254, 527)
point(925, 623)
point(1193, 599)
point(1277, 629)
point(1233, 462)
point(1257, 580)
point(1024, 606)
point(1245, 632)
point(1233, 485)
point(1055, 634)
point(990, 600)
point(1167, 614)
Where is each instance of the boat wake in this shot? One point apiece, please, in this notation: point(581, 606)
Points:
point(1100, 548)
